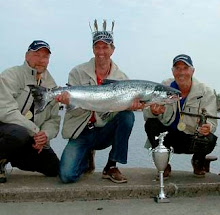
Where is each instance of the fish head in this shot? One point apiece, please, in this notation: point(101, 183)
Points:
point(165, 94)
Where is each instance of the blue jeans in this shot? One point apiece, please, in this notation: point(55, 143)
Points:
point(74, 160)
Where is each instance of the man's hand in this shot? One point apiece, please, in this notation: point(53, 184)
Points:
point(157, 109)
point(40, 140)
point(205, 129)
point(63, 98)
point(136, 105)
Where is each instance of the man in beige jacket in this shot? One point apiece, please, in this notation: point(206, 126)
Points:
point(88, 130)
point(187, 133)
point(24, 135)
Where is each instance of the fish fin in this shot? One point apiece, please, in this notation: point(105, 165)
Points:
point(108, 81)
point(71, 107)
point(40, 95)
point(105, 115)
point(68, 85)
point(144, 100)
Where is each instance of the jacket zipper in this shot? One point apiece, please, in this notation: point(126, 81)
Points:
point(170, 118)
point(78, 127)
point(26, 102)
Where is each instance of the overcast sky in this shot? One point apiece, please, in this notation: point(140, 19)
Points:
point(148, 34)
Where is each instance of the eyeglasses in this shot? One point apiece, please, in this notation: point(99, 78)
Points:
point(178, 69)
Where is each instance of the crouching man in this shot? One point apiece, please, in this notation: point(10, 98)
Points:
point(188, 132)
point(25, 135)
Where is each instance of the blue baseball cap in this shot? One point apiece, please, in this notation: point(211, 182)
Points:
point(184, 58)
point(38, 44)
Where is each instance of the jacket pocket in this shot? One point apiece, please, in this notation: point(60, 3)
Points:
point(192, 108)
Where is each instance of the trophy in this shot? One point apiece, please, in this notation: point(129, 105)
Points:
point(161, 156)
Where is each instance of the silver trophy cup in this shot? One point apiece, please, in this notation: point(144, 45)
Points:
point(161, 157)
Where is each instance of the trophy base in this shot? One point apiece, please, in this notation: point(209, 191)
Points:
point(161, 200)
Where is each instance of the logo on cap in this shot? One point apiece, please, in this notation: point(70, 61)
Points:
point(184, 58)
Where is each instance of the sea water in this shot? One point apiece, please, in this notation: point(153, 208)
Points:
point(138, 156)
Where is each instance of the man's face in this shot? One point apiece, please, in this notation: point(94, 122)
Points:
point(102, 51)
point(182, 73)
point(38, 60)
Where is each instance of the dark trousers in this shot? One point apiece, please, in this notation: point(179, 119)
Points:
point(180, 141)
point(16, 147)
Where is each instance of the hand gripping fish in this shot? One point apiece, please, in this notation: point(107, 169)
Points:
point(111, 96)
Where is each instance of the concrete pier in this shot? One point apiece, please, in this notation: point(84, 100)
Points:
point(24, 186)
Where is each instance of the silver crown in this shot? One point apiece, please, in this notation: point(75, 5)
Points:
point(102, 35)
point(104, 27)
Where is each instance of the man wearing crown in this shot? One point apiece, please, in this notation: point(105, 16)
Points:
point(88, 131)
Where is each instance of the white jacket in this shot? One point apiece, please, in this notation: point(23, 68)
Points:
point(75, 120)
point(16, 100)
point(200, 96)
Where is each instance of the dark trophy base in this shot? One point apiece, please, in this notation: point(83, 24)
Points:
point(161, 200)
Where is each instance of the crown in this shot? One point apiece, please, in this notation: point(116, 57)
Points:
point(102, 35)
point(104, 26)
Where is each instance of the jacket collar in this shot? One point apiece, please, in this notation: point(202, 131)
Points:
point(195, 90)
point(90, 70)
point(46, 78)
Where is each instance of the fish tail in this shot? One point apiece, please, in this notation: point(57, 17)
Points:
point(41, 97)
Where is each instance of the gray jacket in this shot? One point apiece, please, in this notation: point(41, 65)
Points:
point(200, 96)
point(16, 100)
point(75, 120)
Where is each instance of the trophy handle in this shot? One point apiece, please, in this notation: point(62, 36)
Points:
point(171, 152)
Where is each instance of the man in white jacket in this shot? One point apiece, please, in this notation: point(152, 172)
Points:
point(88, 130)
point(186, 133)
point(25, 135)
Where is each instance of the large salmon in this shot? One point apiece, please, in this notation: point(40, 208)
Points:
point(110, 97)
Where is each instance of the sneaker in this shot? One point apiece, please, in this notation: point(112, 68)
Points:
point(114, 175)
point(91, 163)
point(3, 178)
point(198, 169)
point(166, 173)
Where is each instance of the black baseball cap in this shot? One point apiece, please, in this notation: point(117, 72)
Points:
point(38, 44)
point(184, 58)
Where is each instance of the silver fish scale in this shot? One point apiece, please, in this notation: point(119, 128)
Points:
point(112, 96)
point(115, 96)
point(103, 98)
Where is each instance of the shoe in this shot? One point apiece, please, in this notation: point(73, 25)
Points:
point(3, 163)
point(91, 163)
point(198, 169)
point(114, 175)
point(166, 173)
